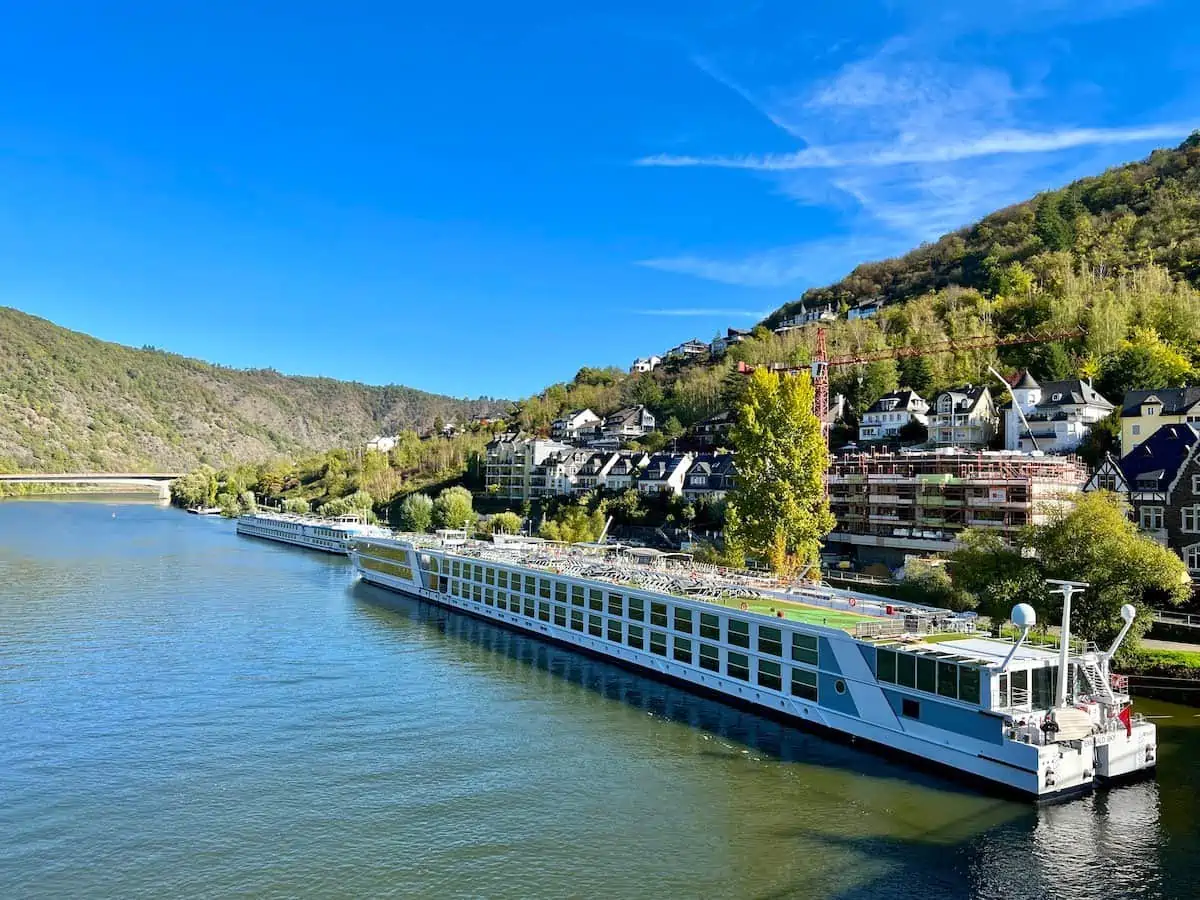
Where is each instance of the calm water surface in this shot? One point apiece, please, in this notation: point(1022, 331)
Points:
point(186, 713)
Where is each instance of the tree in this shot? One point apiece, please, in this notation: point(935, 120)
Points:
point(1096, 542)
point(1144, 361)
point(195, 489)
point(1102, 438)
point(932, 585)
point(506, 522)
point(913, 431)
point(297, 505)
point(415, 513)
point(574, 524)
point(916, 373)
point(995, 574)
point(779, 510)
point(453, 508)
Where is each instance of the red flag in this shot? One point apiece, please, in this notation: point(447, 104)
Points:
point(1126, 716)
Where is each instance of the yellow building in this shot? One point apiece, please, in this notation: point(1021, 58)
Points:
point(1144, 412)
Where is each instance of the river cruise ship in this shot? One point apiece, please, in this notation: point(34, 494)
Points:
point(315, 533)
point(913, 680)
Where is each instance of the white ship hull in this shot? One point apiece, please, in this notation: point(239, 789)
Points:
point(852, 703)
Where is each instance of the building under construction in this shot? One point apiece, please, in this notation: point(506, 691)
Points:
point(890, 505)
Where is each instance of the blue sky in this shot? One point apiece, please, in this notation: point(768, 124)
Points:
point(476, 198)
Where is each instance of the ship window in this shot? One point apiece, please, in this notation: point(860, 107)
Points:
point(614, 630)
point(456, 569)
point(885, 666)
point(770, 640)
point(490, 575)
point(658, 614)
point(926, 674)
point(710, 626)
point(530, 585)
point(544, 588)
point(968, 684)
point(489, 596)
point(769, 675)
point(478, 593)
point(635, 637)
point(576, 595)
point(577, 619)
point(906, 670)
point(737, 665)
point(683, 650)
point(804, 649)
point(544, 612)
point(683, 620)
point(595, 626)
point(595, 600)
point(637, 609)
point(501, 600)
point(739, 633)
point(710, 658)
point(529, 607)
point(1043, 688)
point(616, 605)
point(948, 680)
point(658, 643)
point(560, 592)
point(909, 708)
point(502, 579)
point(560, 615)
point(804, 684)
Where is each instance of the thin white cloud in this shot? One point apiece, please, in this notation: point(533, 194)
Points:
point(994, 144)
point(809, 263)
point(698, 312)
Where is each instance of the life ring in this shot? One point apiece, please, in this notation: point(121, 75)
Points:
point(853, 602)
point(743, 606)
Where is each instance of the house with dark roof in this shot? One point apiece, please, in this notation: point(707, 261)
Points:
point(709, 477)
point(963, 417)
point(732, 336)
point(1144, 412)
point(714, 431)
point(664, 473)
point(1053, 417)
point(891, 412)
point(1160, 478)
point(625, 425)
point(623, 473)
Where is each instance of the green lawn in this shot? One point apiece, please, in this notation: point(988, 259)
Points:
point(811, 615)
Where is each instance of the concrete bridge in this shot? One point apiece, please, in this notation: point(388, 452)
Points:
point(159, 481)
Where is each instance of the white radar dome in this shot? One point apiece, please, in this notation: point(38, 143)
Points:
point(1023, 616)
point(1128, 612)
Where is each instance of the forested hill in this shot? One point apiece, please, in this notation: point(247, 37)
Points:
point(71, 402)
point(1111, 264)
point(1129, 216)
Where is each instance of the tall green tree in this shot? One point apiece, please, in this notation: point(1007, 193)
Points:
point(453, 508)
point(415, 513)
point(779, 510)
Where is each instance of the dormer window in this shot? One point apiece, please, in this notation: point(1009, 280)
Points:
point(1056, 398)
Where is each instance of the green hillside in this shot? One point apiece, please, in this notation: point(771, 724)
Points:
point(1130, 216)
point(71, 402)
point(1113, 260)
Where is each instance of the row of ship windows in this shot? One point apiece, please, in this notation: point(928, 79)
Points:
point(266, 531)
point(766, 673)
point(925, 673)
point(770, 640)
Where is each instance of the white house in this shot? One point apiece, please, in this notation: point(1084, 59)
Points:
point(963, 417)
point(627, 424)
point(1058, 413)
point(890, 413)
point(568, 426)
point(864, 309)
point(665, 473)
point(514, 469)
point(381, 443)
point(645, 364)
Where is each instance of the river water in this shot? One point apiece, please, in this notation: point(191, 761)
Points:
point(187, 713)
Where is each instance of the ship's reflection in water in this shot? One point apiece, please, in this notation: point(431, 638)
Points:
point(897, 829)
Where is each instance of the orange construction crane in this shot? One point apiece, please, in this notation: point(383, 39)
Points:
point(821, 363)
